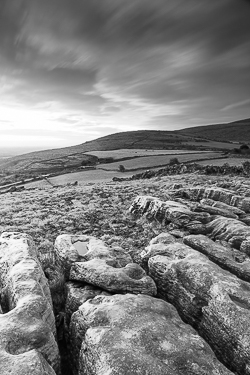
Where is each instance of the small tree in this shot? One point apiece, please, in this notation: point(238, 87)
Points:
point(121, 168)
point(174, 161)
point(246, 166)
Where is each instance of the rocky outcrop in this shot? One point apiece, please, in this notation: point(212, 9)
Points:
point(137, 334)
point(213, 210)
point(223, 206)
point(209, 298)
point(228, 258)
point(217, 194)
point(170, 212)
point(27, 325)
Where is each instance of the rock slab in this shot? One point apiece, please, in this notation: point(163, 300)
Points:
point(27, 325)
point(209, 298)
point(137, 334)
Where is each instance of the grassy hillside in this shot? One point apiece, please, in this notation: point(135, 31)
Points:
point(238, 131)
point(100, 210)
point(55, 160)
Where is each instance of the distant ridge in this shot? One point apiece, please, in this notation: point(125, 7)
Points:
point(237, 131)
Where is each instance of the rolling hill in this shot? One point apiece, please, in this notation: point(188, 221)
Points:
point(237, 131)
point(196, 138)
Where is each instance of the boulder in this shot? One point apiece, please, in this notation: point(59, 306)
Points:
point(137, 334)
point(209, 298)
point(228, 258)
point(27, 325)
point(104, 274)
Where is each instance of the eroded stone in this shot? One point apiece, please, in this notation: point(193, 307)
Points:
point(104, 274)
point(211, 299)
point(137, 334)
point(228, 258)
point(27, 327)
point(170, 212)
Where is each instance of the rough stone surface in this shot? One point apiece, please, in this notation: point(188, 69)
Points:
point(223, 206)
point(230, 230)
point(104, 274)
point(66, 252)
point(77, 293)
point(211, 299)
point(228, 258)
point(157, 246)
point(213, 210)
point(27, 325)
point(170, 212)
point(129, 334)
point(218, 194)
point(72, 248)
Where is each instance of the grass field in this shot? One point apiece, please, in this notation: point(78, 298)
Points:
point(214, 144)
point(230, 161)
point(126, 153)
point(155, 161)
point(82, 178)
point(139, 165)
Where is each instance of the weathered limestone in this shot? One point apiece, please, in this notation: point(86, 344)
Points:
point(211, 299)
point(71, 248)
point(108, 268)
point(27, 325)
point(137, 334)
point(228, 258)
point(104, 274)
point(78, 293)
point(230, 230)
point(170, 212)
point(157, 246)
point(67, 253)
point(223, 206)
point(218, 194)
point(213, 210)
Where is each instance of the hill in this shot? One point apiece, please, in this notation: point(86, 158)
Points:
point(237, 131)
point(210, 137)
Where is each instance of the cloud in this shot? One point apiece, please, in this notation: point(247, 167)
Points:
point(235, 105)
point(125, 64)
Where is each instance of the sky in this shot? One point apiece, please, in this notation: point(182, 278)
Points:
point(75, 70)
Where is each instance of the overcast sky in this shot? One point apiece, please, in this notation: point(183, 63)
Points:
point(75, 70)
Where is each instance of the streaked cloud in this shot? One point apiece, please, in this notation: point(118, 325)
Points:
point(116, 65)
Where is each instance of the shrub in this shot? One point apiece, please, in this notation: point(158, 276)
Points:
point(174, 161)
point(122, 168)
point(246, 166)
